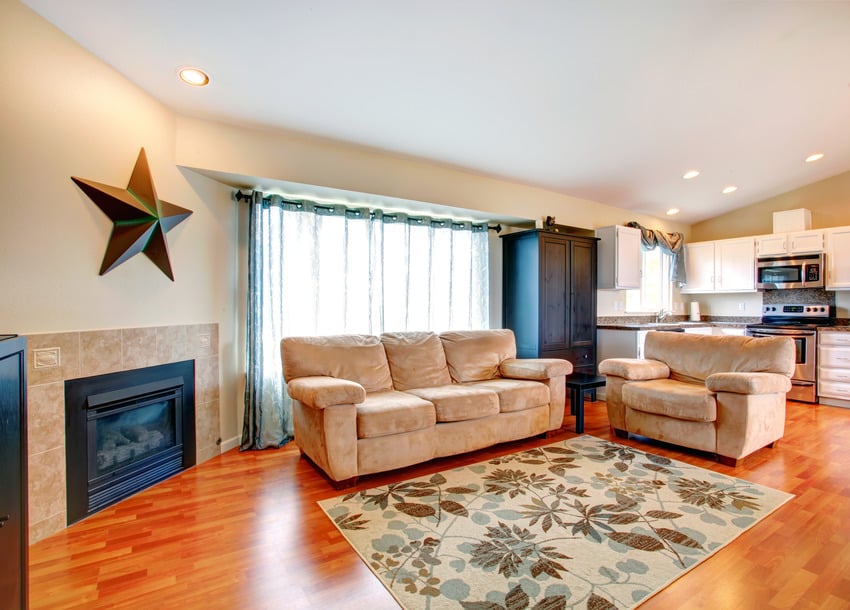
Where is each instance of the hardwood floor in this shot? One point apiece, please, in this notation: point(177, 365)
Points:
point(243, 531)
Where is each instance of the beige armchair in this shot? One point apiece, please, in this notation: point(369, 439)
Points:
point(724, 395)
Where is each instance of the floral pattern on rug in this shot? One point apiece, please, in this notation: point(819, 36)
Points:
point(584, 523)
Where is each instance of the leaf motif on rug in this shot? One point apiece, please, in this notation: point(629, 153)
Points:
point(584, 523)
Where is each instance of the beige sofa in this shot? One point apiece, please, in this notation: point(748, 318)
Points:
point(366, 404)
point(722, 394)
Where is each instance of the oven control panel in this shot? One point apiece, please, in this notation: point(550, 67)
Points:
point(796, 310)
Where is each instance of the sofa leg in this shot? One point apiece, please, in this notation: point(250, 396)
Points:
point(340, 485)
point(621, 433)
point(727, 461)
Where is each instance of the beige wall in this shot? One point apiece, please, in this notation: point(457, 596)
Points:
point(829, 201)
point(65, 113)
point(307, 160)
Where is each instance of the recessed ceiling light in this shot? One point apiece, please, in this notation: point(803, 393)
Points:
point(672, 211)
point(693, 173)
point(729, 189)
point(194, 76)
point(814, 157)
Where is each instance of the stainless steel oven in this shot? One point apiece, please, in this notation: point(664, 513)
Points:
point(800, 323)
point(784, 272)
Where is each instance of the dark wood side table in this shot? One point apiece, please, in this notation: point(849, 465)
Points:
point(578, 384)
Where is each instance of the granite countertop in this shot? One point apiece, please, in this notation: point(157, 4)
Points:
point(654, 325)
point(642, 323)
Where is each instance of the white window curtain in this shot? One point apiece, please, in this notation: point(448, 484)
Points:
point(318, 269)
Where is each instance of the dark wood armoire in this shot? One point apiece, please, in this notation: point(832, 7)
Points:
point(14, 533)
point(549, 295)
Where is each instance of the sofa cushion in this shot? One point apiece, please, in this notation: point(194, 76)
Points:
point(671, 398)
point(358, 358)
point(475, 355)
point(392, 412)
point(516, 394)
point(459, 402)
point(416, 359)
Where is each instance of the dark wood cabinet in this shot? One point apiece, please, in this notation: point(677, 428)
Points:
point(14, 533)
point(549, 295)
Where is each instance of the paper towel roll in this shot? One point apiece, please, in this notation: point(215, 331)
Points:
point(694, 309)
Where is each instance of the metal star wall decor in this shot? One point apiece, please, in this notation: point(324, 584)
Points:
point(140, 219)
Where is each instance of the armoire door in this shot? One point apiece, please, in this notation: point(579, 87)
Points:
point(555, 297)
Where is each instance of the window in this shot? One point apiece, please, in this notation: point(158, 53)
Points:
point(655, 291)
point(324, 269)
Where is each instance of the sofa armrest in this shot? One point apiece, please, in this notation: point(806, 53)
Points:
point(320, 392)
point(535, 368)
point(748, 383)
point(634, 369)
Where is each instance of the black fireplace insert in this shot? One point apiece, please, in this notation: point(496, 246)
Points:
point(126, 431)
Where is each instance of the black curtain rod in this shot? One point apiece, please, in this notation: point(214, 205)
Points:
point(240, 196)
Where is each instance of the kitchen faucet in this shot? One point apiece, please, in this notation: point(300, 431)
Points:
point(663, 313)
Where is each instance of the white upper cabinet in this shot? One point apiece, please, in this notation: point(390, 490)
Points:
point(699, 267)
point(725, 265)
point(838, 258)
point(781, 244)
point(618, 258)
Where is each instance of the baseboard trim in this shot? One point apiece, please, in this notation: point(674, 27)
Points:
point(227, 445)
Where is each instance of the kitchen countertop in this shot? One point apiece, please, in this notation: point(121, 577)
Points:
point(667, 325)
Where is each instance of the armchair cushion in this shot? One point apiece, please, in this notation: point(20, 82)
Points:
point(671, 398)
point(320, 392)
point(417, 360)
point(748, 383)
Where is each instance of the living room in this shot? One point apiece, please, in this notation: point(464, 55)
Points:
point(68, 113)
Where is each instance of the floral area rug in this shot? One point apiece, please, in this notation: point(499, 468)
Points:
point(583, 523)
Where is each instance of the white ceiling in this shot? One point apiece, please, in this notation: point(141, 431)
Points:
point(608, 100)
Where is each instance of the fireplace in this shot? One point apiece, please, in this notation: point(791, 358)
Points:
point(126, 431)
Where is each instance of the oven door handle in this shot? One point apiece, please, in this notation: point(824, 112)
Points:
point(792, 333)
point(805, 384)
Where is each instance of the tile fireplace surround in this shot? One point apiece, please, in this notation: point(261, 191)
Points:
point(86, 353)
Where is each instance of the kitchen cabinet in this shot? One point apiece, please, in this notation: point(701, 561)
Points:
point(725, 265)
point(14, 531)
point(782, 244)
point(834, 367)
point(618, 258)
point(549, 295)
point(838, 258)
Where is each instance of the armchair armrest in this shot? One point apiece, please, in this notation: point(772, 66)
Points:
point(748, 383)
point(535, 368)
point(634, 369)
point(320, 392)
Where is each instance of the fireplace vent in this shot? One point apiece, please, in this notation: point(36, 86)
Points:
point(126, 431)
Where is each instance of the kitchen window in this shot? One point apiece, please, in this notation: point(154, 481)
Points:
point(655, 291)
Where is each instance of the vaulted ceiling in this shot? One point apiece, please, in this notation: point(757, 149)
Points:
point(608, 100)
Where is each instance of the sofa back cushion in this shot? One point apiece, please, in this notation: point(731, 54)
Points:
point(358, 358)
point(475, 355)
point(417, 360)
point(692, 358)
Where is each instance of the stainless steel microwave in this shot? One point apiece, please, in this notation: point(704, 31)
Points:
point(783, 272)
